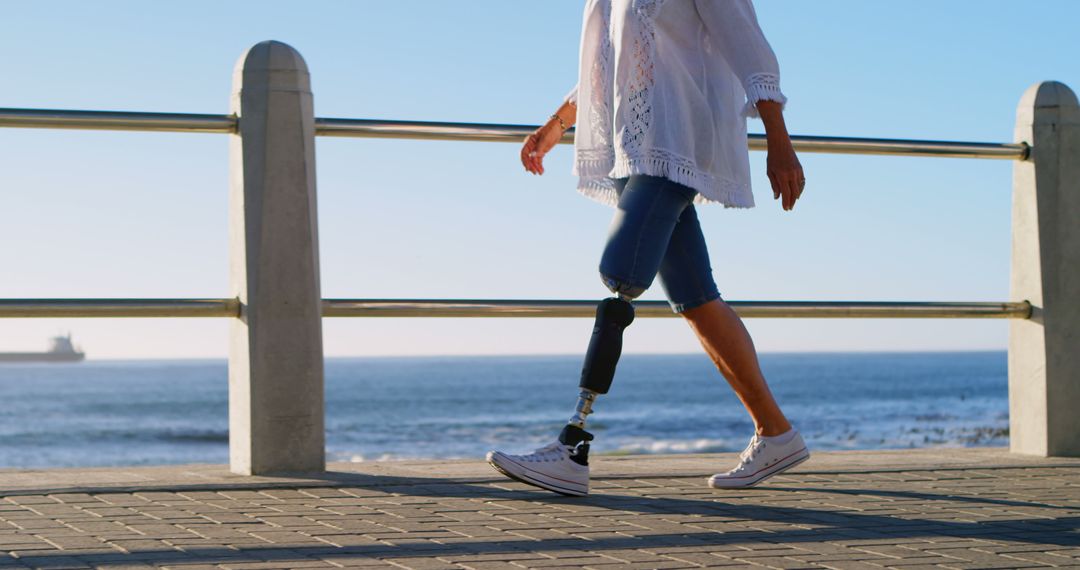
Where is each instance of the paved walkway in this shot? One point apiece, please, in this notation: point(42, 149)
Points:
point(910, 510)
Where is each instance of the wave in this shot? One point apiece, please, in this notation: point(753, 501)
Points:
point(662, 446)
point(195, 436)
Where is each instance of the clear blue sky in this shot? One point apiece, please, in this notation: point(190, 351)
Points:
point(95, 214)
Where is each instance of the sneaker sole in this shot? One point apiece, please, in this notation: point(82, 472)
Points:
point(752, 480)
point(520, 473)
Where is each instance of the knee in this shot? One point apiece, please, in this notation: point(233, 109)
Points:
point(621, 287)
point(699, 312)
point(615, 311)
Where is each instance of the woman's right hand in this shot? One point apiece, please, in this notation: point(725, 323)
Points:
point(538, 144)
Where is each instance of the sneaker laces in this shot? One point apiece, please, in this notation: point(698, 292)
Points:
point(551, 452)
point(752, 449)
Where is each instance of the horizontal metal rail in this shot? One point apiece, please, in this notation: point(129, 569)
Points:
point(57, 308)
point(117, 121)
point(363, 128)
point(426, 130)
point(458, 308)
point(902, 147)
point(748, 309)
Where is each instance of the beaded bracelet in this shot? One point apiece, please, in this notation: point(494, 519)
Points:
point(562, 124)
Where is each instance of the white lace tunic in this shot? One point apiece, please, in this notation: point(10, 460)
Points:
point(665, 88)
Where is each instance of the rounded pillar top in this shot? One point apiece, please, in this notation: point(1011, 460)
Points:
point(1048, 94)
point(271, 65)
point(271, 55)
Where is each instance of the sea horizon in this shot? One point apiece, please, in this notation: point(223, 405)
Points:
point(90, 359)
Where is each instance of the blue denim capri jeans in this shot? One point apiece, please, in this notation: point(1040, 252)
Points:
point(656, 231)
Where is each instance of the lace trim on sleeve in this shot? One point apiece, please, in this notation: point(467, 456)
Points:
point(762, 87)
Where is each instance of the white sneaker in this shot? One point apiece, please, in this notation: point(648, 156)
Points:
point(760, 460)
point(551, 467)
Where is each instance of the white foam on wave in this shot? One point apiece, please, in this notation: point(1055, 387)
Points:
point(661, 446)
point(357, 458)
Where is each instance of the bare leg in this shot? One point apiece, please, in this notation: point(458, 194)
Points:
point(730, 347)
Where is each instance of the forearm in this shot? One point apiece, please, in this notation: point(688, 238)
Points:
point(773, 116)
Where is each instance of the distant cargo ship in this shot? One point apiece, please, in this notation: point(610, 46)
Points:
point(61, 350)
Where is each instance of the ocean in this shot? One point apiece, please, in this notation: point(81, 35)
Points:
point(116, 413)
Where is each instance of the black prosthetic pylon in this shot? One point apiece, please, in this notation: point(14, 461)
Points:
point(612, 316)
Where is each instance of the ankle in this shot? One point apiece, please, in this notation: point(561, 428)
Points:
point(773, 429)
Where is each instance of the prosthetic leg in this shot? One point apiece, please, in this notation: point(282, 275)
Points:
point(613, 315)
point(563, 467)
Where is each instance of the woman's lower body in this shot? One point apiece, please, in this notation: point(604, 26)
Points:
point(656, 232)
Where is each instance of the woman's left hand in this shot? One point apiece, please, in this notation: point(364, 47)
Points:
point(785, 172)
point(539, 144)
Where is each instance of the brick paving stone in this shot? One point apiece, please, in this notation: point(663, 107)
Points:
point(613, 565)
point(1005, 548)
point(495, 557)
point(1048, 558)
point(571, 552)
point(699, 547)
point(74, 542)
point(30, 549)
point(770, 549)
point(354, 561)
point(701, 558)
point(852, 565)
point(777, 562)
point(424, 563)
point(969, 555)
point(925, 560)
point(848, 557)
point(1003, 564)
point(889, 551)
point(564, 562)
point(283, 564)
point(489, 565)
point(13, 542)
point(31, 500)
point(634, 555)
point(540, 534)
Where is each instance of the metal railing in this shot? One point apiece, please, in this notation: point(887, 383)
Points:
point(473, 132)
point(507, 308)
point(117, 121)
point(480, 132)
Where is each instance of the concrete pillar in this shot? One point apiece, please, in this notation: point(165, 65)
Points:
point(1044, 352)
point(275, 359)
